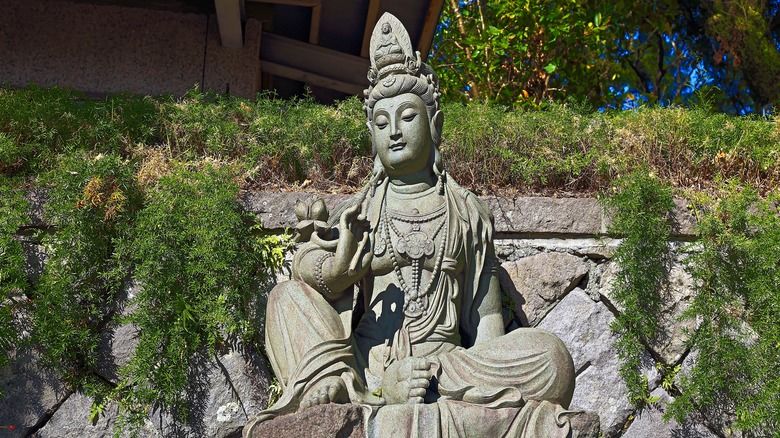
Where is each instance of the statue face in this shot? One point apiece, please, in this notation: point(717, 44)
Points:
point(401, 133)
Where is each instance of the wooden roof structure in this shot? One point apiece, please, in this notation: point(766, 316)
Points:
point(231, 46)
point(324, 43)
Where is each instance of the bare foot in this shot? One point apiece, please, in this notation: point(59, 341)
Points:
point(407, 380)
point(329, 390)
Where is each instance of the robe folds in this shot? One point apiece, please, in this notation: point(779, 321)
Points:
point(519, 384)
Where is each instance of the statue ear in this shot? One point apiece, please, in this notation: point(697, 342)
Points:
point(437, 122)
point(369, 125)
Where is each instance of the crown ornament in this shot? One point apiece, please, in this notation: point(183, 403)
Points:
point(391, 51)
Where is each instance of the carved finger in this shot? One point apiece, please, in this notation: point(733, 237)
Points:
point(332, 392)
point(416, 392)
point(416, 400)
point(358, 254)
point(420, 383)
point(420, 363)
point(421, 374)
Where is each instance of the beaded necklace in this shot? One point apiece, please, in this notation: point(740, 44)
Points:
point(416, 246)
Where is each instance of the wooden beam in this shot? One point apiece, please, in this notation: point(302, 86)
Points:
point(310, 78)
point(429, 28)
point(314, 29)
point(305, 3)
point(229, 20)
point(318, 65)
point(371, 17)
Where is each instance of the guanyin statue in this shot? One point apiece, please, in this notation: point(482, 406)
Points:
point(395, 303)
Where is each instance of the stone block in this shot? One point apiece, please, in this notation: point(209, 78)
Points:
point(72, 420)
point(537, 282)
point(669, 345)
point(648, 423)
point(583, 326)
point(537, 215)
point(330, 420)
point(223, 394)
point(30, 392)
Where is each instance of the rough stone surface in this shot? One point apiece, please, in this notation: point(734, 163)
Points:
point(34, 259)
point(670, 343)
point(583, 325)
point(593, 248)
point(72, 420)
point(530, 215)
point(30, 393)
point(648, 423)
point(223, 395)
point(331, 420)
point(36, 199)
point(537, 282)
point(277, 209)
point(117, 341)
point(585, 425)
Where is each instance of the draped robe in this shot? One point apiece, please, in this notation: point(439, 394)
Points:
point(520, 383)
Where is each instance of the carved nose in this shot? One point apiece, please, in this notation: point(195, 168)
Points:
point(395, 134)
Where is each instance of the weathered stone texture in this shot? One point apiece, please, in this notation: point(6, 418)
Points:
point(223, 394)
point(331, 420)
point(30, 392)
point(537, 282)
point(583, 325)
point(670, 343)
point(117, 341)
point(535, 215)
point(72, 420)
point(648, 423)
point(585, 425)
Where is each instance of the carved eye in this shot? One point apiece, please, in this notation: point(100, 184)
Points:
point(408, 115)
point(381, 121)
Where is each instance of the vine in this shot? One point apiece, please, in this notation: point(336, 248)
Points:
point(640, 208)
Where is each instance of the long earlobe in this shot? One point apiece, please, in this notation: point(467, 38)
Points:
point(437, 122)
point(373, 147)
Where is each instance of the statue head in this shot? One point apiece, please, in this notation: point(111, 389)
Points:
point(402, 103)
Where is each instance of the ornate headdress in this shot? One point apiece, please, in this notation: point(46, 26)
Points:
point(392, 55)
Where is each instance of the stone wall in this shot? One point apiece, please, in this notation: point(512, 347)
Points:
point(555, 265)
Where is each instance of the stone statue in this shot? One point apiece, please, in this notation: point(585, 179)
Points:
point(395, 302)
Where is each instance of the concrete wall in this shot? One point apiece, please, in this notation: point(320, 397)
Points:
point(110, 49)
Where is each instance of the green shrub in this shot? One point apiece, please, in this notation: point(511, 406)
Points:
point(737, 307)
point(92, 201)
point(640, 210)
point(198, 267)
point(13, 282)
point(44, 122)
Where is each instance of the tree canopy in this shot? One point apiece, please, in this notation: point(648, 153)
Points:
point(615, 54)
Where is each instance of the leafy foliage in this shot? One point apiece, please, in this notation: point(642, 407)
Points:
point(737, 263)
point(276, 143)
point(198, 267)
point(514, 52)
point(616, 54)
point(640, 206)
point(91, 202)
point(13, 281)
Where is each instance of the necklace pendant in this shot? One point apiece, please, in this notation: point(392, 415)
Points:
point(414, 308)
point(417, 245)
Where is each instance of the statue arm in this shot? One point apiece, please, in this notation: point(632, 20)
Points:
point(491, 320)
point(331, 267)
